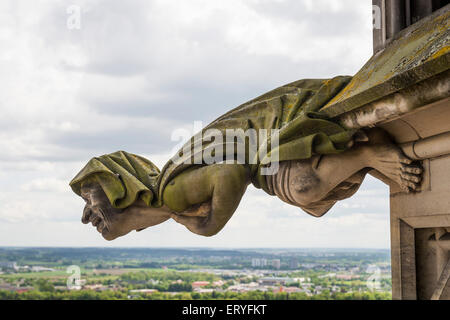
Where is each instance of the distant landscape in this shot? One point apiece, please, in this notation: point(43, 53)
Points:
point(191, 274)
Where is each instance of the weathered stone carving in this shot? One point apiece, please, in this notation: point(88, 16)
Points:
point(319, 162)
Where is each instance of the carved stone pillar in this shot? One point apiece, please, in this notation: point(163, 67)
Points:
point(420, 222)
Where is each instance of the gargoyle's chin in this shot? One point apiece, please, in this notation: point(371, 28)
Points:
point(110, 236)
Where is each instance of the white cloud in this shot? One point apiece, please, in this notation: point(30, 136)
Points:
point(45, 185)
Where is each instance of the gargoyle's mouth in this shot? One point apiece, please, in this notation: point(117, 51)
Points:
point(100, 224)
point(102, 228)
point(96, 221)
point(99, 220)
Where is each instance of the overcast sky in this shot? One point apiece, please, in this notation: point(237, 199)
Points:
point(138, 70)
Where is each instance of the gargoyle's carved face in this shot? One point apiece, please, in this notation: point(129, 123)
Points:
point(109, 221)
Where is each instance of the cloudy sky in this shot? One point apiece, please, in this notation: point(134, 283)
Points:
point(133, 73)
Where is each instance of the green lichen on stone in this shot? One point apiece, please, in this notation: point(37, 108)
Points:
point(416, 54)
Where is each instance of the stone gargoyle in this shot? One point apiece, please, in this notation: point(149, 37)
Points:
point(303, 157)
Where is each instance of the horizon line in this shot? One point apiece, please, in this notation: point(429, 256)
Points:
point(196, 248)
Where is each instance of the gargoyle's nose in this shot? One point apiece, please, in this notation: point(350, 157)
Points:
point(86, 214)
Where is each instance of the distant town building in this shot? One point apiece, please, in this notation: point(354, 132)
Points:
point(41, 269)
point(203, 290)
point(271, 281)
point(199, 284)
point(144, 291)
point(309, 265)
point(301, 280)
point(218, 283)
point(293, 264)
point(8, 287)
point(276, 263)
point(259, 263)
point(291, 289)
point(242, 287)
point(96, 287)
point(8, 265)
